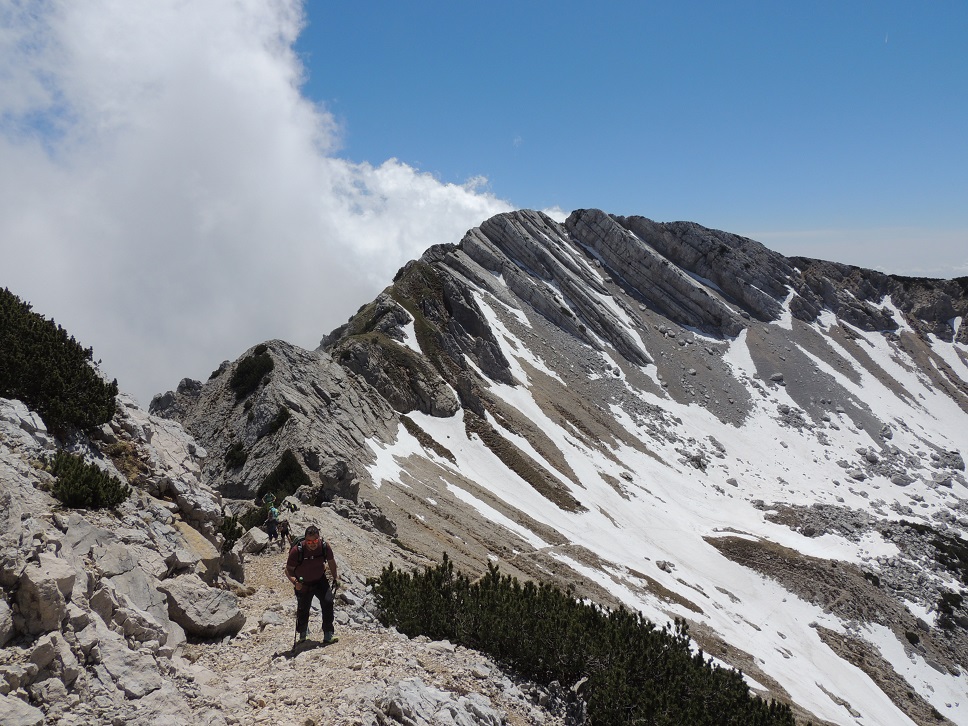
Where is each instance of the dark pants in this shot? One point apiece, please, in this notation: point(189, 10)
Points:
point(304, 601)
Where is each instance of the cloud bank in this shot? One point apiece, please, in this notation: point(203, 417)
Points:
point(169, 196)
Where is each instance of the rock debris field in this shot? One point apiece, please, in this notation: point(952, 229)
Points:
point(372, 675)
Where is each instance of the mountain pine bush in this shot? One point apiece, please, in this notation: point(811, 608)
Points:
point(285, 479)
point(250, 372)
point(629, 671)
point(81, 485)
point(43, 366)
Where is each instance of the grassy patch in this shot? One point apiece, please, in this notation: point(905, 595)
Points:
point(127, 459)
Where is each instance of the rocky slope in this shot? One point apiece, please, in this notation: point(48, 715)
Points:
point(129, 616)
point(663, 416)
point(660, 416)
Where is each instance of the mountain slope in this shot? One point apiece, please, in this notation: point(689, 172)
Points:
point(662, 416)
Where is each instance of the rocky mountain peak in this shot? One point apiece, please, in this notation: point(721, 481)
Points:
point(657, 416)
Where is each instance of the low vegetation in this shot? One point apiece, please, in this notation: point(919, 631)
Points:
point(236, 455)
point(285, 479)
point(231, 529)
point(282, 415)
point(43, 366)
point(626, 670)
point(251, 371)
point(81, 485)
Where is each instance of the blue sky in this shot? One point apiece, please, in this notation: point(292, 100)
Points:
point(181, 181)
point(774, 119)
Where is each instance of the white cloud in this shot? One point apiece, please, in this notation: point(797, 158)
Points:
point(169, 197)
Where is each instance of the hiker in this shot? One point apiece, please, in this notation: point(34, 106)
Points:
point(285, 533)
point(306, 570)
point(272, 524)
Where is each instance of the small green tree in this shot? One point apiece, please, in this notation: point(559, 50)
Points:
point(81, 485)
point(231, 530)
point(285, 479)
point(236, 455)
point(629, 671)
point(43, 366)
point(250, 372)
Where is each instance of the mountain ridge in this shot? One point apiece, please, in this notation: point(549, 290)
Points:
point(656, 416)
point(619, 339)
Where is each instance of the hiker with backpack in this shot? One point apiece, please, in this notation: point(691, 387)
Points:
point(285, 533)
point(272, 524)
point(306, 570)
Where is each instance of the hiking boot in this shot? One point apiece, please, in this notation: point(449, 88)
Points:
point(302, 635)
point(329, 638)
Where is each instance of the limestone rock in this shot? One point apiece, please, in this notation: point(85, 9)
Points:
point(132, 671)
point(413, 702)
point(253, 541)
point(42, 597)
point(17, 713)
point(332, 414)
point(201, 549)
point(201, 610)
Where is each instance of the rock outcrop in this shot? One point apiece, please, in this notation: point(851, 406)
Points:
point(85, 630)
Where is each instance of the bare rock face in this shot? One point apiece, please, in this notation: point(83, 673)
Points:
point(201, 610)
point(45, 587)
point(305, 403)
point(17, 713)
point(537, 260)
point(413, 701)
point(643, 257)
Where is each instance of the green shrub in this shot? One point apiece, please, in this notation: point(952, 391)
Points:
point(236, 455)
point(43, 366)
point(255, 517)
point(231, 530)
point(81, 485)
point(629, 671)
point(277, 423)
point(285, 479)
point(250, 371)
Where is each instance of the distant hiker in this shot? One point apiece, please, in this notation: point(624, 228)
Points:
point(285, 533)
point(272, 524)
point(306, 570)
point(268, 498)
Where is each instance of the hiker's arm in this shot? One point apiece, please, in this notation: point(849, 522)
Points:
point(332, 567)
point(291, 572)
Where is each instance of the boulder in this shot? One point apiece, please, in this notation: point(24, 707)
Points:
point(198, 547)
point(82, 536)
point(45, 587)
point(114, 559)
point(53, 657)
point(203, 611)
point(17, 713)
point(252, 542)
point(133, 672)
